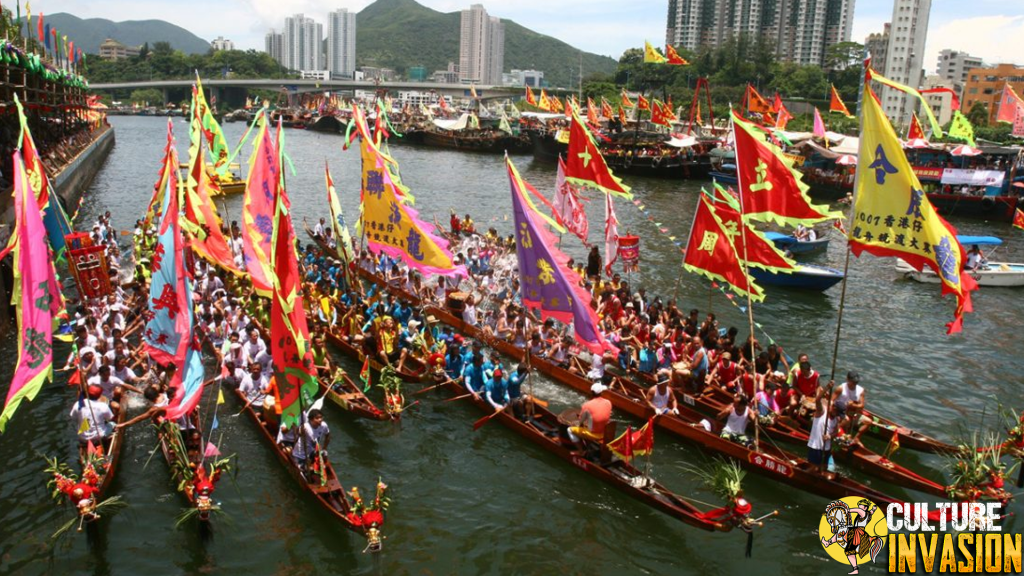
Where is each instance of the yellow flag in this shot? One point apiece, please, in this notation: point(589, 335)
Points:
point(84, 426)
point(652, 56)
point(893, 216)
point(220, 397)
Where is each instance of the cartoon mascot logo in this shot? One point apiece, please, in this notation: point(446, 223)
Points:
point(853, 531)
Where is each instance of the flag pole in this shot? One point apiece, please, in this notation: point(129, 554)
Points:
point(746, 273)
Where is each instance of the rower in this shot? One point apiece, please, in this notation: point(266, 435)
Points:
point(93, 419)
point(388, 348)
point(255, 386)
point(515, 390)
point(662, 398)
point(473, 376)
point(594, 417)
point(737, 416)
point(848, 401)
point(819, 440)
point(804, 378)
point(111, 386)
point(725, 372)
point(454, 361)
point(318, 231)
point(497, 390)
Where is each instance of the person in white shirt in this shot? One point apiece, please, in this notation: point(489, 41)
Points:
point(253, 346)
point(111, 386)
point(318, 231)
point(122, 372)
point(315, 436)
point(97, 414)
point(255, 386)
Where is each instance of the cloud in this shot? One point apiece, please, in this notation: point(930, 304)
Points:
point(996, 39)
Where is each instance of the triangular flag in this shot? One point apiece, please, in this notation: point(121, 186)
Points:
point(211, 451)
point(836, 104)
point(220, 397)
point(652, 56)
point(673, 57)
point(585, 166)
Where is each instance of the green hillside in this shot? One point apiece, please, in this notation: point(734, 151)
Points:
point(402, 33)
point(89, 34)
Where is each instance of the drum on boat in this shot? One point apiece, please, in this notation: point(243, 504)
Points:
point(456, 303)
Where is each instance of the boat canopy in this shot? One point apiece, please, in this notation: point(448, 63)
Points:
point(979, 240)
point(459, 124)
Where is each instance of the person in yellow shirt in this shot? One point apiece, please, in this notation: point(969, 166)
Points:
point(387, 344)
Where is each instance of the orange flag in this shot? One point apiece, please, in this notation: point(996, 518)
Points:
point(642, 103)
point(915, 132)
point(626, 102)
point(606, 108)
point(674, 57)
point(592, 116)
point(756, 102)
point(585, 166)
point(622, 116)
point(836, 104)
point(530, 99)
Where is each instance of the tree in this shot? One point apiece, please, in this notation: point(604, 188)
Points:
point(978, 115)
point(147, 97)
point(843, 55)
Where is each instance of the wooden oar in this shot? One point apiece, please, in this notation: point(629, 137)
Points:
point(459, 397)
point(404, 408)
point(479, 423)
point(428, 388)
point(537, 401)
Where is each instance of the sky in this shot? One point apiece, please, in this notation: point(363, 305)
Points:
point(991, 29)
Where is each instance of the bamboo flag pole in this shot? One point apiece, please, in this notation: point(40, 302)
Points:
point(746, 273)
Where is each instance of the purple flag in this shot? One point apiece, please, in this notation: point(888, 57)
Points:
point(546, 282)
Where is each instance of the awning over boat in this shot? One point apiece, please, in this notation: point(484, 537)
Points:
point(979, 240)
point(459, 124)
point(848, 146)
point(685, 142)
point(542, 115)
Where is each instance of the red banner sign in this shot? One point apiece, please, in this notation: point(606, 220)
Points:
point(629, 252)
point(928, 173)
point(89, 266)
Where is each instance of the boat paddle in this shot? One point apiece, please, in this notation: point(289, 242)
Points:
point(479, 423)
point(459, 397)
point(429, 388)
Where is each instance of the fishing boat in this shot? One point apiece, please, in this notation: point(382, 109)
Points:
point(328, 492)
point(805, 277)
point(328, 123)
point(345, 394)
point(793, 245)
point(470, 140)
point(997, 208)
point(689, 425)
point(546, 430)
point(724, 174)
point(992, 274)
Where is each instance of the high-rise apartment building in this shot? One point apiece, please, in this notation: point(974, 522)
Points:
point(481, 47)
point(274, 45)
point(954, 65)
point(877, 45)
point(303, 43)
point(904, 56)
point(800, 30)
point(341, 43)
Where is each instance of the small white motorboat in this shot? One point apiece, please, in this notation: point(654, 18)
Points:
point(1002, 274)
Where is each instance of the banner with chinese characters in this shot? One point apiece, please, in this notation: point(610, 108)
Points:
point(928, 173)
point(893, 217)
point(973, 177)
point(393, 227)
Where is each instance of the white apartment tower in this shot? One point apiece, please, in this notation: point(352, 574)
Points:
point(341, 43)
point(904, 56)
point(220, 43)
point(303, 39)
point(800, 30)
point(274, 45)
point(481, 47)
point(953, 66)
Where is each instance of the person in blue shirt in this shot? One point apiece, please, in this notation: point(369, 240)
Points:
point(473, 376)
point(454, 362)
point(497, 390)
point(515, 390)
point(626, 360)
point(648, 358)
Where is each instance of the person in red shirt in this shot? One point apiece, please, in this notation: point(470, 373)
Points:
point(594, 417)
point(456, 223)
point(725, 373)
point(804, 378)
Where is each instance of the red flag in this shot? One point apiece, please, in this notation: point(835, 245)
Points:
point(623, 445)
point(592, 116)
point(622, 116)
point(759, 252)
point(673, 57)
point(769, 188)
point(42, 35)
point(642, 103)
point(643, 439)
point(606, 109)
point(1009, 102)
point(659, 115)
point(585, 166)
point(915, 132)
point(568, 210)
point(710, 252)
point(836, 104)
point(530, 99)
point(1018, 219)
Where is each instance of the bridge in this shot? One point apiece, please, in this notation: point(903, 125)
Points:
point(296, 86)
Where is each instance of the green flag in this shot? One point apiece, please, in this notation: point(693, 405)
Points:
point(961, 128)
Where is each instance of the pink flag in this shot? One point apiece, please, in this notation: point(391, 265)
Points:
point(819, 125)
point(611, 235)
point(36, 295)
point(258, 211)
point(211, 451)
point(568, 209)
